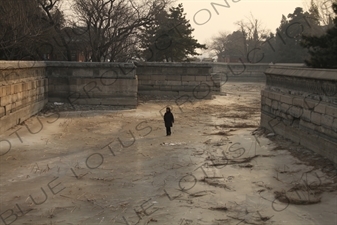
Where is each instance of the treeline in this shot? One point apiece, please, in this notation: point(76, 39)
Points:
point(309, 37)
point(102, 30)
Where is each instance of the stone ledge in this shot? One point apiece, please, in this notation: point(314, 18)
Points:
point(172, 64)
point(10, 65)
point(63, 64)
point(303, 72)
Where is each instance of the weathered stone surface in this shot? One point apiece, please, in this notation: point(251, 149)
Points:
point(327, 121)
point(316, 118)
point(180, 77)
point(275, 104)
point(320, 108)
point(313, 109)
point(287, 99)
point(331, 110)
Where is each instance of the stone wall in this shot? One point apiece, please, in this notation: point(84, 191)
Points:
point(23, 91)
point(244, 72)
point(113, 84)
point(25, 87)
point(301, 105)
point(177, 79)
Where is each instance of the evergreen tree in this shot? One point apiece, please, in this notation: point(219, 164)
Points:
point(268, 49)
point(323, 49)
point(170, 38)
point(288, 49)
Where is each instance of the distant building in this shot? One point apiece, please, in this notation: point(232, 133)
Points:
point(74, 39)
point(230, 58)
point(207, 60)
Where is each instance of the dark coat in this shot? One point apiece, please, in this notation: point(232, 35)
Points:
point(168, 119)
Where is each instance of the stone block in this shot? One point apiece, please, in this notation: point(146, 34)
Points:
point(327, 121)
point(266, 108)
point(190, 83)
point(14, 98)
point(209, 78)
point(310, 103)
point(173, 83)
point(18, 103)
point(24, 87)
point(200, 78)
point(2, 111)
point(306, 115)
point(8, 109)
point(292, 133)
point(192, 71)
point(334, 124)
point(328, 132)
point(187, 78)
point(307, 126)
point(12, 89)
point(331, 110)
point(25, 101)
point(320, 108)
point(283, 107)
point(2, 91)
point(189, 89)
point(200, 87)
point(85, 73)
point(32, 85)
point(144, 77)
point(287, 99)
point(176, 88)
point(160, 77)
point(316, 118)
point(29, 86)
point(174, 78)
point(22, 114)
point(263, 100)
point(275, 96)
point(265, 120)
point(275, 104)
point(295, 111)
point(5, 100)
point(166, 88)
point(265, 93)
point(8, 90)
point(298, 101)
point(20, 96)
point(331, 147)
point(13, 107)
point(268, 101)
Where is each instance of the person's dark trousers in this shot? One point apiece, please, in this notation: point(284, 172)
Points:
point(168, 130)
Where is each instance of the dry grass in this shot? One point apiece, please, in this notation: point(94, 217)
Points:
point(296, 199)
point(215, 182)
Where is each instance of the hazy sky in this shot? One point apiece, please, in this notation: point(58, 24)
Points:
point(269, 12)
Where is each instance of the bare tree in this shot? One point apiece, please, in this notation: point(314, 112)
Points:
point(322, 10)
point(253, 34)
point(113, 24)
point(219, 43)
point(56, 20)
point(23, 28)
